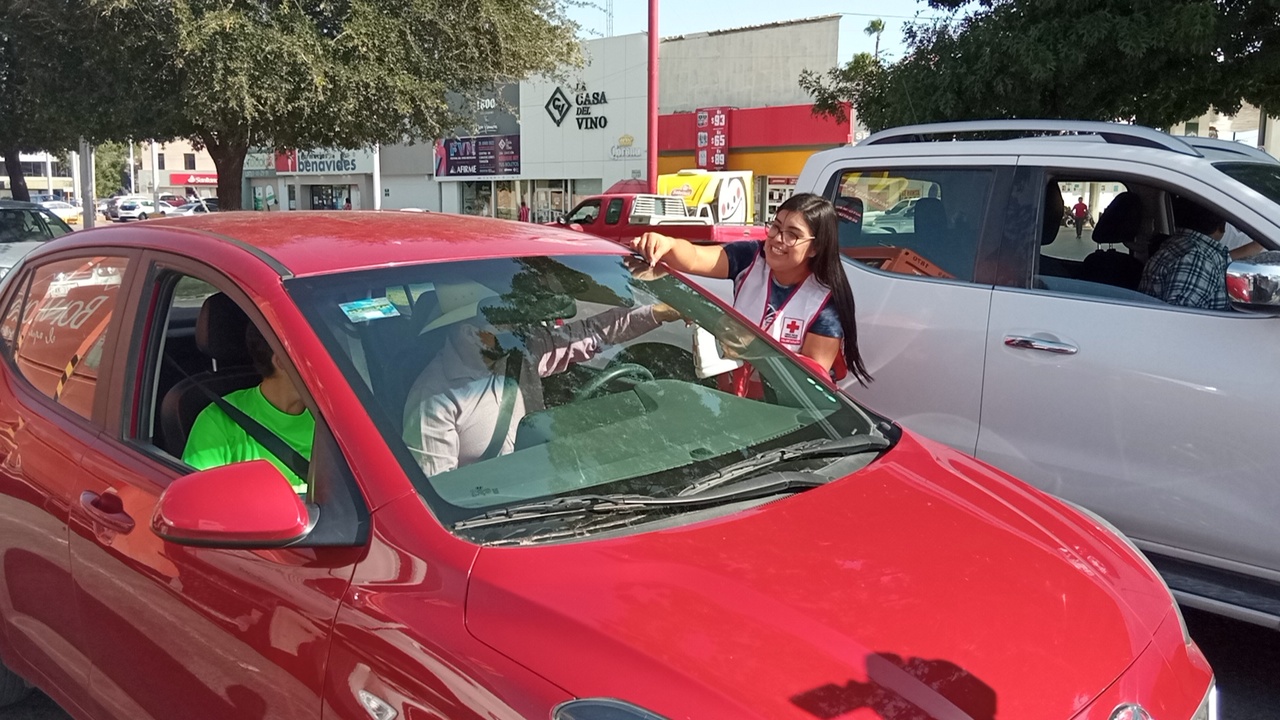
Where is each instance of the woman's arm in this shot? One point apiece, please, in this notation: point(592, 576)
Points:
point(682, 255)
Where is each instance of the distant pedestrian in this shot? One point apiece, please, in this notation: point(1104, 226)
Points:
point(346, 205)
point(524, 211)
point(1079, 212)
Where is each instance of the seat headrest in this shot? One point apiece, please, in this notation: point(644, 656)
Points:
point(1054, 207)
point(930, 216)
point(849, 210)
point(1121, 221)
point(220, 330)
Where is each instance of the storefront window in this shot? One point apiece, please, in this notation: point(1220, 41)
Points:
point(329, 197)
point(550, 200)
point(508, 205)
point(477, 197)
point(582, 189)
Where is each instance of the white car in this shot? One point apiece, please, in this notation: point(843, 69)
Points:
point(990, 327)
point(69, 213)
point(139, 209)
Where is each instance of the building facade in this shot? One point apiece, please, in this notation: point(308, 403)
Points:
point(546, 143)
point(178, 168)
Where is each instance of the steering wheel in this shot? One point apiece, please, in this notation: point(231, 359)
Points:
point(608, 375)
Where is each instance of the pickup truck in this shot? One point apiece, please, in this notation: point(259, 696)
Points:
point(623, 216)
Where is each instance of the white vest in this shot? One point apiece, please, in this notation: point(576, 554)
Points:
point(798, 311)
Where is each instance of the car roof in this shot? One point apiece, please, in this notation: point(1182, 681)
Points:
point(302, 243)
point(19, 205)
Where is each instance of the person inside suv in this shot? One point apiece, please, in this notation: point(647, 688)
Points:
point(1190, 268)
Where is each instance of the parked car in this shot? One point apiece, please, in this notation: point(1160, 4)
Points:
point(142, 209)
point(198, 207)
point(994, 338)
point(899, 218)
point(25, 226)
point(636, 526)
point(65, 211)
point(624, 216)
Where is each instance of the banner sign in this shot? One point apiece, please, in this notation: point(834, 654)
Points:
point(488, 156)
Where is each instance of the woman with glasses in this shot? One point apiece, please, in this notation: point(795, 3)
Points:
point(792, 284)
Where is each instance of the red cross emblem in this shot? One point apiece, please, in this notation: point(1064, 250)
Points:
point(791, 331)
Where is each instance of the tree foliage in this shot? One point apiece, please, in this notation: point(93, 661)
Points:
point(235, 74)
point(1153, 62)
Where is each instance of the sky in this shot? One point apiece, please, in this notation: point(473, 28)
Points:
point(682, 18)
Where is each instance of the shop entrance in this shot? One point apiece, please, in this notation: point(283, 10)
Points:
point(329, 197)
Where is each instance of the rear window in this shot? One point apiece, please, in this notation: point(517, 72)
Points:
point(1263, 177)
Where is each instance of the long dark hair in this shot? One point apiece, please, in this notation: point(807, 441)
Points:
point(820, 215)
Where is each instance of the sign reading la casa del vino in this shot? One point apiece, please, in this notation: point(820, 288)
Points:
point(586, 107)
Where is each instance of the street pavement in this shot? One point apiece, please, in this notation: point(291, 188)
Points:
point(1246, 659)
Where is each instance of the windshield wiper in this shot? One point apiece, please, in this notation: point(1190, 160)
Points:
point(840, 447)
point(609, 504)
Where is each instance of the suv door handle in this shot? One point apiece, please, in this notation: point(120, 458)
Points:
point(1023, 342)
point(107, 510)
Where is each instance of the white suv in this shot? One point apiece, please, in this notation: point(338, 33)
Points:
point(988, 326)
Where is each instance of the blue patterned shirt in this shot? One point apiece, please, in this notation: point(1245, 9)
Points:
point(1190, 269)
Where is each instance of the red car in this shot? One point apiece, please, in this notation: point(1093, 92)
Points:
point(635, 542)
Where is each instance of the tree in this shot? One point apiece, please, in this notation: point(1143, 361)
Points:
point(321, 73)
point(1153, 63)
point(875, 29)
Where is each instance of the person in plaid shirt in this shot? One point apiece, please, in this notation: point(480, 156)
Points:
point(1190, 268)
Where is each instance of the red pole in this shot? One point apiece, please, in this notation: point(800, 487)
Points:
point(653, 97)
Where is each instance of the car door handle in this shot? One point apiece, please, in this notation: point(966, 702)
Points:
point(107, 509)
point(1023, 342)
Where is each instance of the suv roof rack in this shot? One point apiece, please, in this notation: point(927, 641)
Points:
point(1110, 132)
point(1229, 146)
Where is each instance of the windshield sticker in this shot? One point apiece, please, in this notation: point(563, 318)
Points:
point(369, 309)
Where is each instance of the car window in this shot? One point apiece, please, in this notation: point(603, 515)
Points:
point(30, 225)
point(923, 221)
point(585, 214)
point(63, 327)
point(183, 418)
point(614, 212)
point(608, 397)
point(1262, 177)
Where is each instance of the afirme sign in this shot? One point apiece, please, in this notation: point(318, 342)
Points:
point(325, 162)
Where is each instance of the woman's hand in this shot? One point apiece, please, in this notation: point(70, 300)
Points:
point(653, 246)
point(641, 270)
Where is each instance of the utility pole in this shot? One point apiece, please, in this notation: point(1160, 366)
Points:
point(652, 160)
point(133, 179)
point(608, 18)
point(87, 201)
point(155, 177)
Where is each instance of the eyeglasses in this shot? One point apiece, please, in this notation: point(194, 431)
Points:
point(789, 237)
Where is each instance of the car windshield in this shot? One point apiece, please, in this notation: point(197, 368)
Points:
point(624, 385)
point(1262, 177)
point(30, 225)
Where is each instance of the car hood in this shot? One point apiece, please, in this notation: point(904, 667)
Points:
point(926, 582)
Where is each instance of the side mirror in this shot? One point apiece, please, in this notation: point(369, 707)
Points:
point(562, 220)
point(1253, 285)
point(242, 505)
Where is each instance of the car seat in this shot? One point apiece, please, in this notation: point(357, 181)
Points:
point(1054, 207)
point(1119, 223)
point(930, 219)
point(220, 330)
point(849, 220)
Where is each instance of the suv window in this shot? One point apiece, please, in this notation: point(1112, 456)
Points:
point(63, 327)
point(925, 221)
point(1265, 178)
